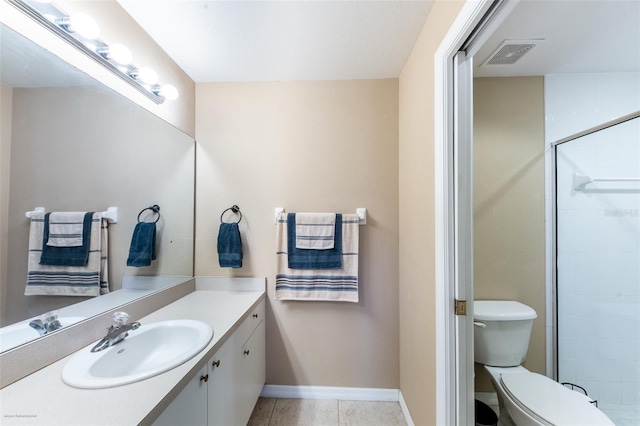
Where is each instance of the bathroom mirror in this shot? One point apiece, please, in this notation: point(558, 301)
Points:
point(71, 144)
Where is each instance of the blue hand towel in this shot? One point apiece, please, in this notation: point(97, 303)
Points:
point(67, 256)
point(313, 259)
point(229, 246)
point(143, 244)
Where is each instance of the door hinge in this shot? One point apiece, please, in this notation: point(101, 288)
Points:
point(460, 307)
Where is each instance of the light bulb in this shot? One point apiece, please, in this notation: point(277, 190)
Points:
point(169, 91)
point(120, 53)
point(147, 75)
point(84, 25)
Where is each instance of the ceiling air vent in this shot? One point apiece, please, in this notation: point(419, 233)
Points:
point(510, 51)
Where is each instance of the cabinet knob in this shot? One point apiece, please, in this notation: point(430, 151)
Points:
point(204, 378)
point(246, 352)
point(216, 363)
point(255, 315)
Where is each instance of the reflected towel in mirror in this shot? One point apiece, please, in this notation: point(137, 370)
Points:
point(66, 256)
point(143, 245)
point(56, 280)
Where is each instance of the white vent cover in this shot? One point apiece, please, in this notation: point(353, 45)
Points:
point(510, 51)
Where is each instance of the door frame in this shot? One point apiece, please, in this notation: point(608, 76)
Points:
point(454, 338)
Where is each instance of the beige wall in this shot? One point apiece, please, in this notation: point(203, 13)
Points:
point(307, 146)
point(6, 100)
point(509, 223)
point(417, 217)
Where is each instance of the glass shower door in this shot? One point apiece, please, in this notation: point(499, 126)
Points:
point(598, 267)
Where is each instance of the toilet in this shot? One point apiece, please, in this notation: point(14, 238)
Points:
point(501, 339)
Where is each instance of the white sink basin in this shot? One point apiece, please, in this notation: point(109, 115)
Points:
point(17, 334)
point(148, 351)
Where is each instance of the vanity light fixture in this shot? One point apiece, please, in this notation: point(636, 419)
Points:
point(147, 75)
point(80, 23)
point(82, 32)
point(118, 52)
point(169, 91)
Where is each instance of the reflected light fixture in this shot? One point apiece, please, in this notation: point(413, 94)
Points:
point(82, 31)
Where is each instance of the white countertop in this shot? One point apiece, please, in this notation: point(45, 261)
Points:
point(44, 399)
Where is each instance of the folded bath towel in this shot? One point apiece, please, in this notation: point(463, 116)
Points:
point(229, 246)
point(313, 259)
point(66, 256)
point(66, 229)
point(315, 231)
point(143, 244)
point(55, 280)
point(339, 285)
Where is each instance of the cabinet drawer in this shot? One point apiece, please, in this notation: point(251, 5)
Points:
point(251, 322)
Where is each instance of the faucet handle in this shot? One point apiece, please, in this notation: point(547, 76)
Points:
point(120, 319)
point(50, 316)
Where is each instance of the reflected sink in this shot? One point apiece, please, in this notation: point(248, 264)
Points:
point(17, 334)
point(148, 351)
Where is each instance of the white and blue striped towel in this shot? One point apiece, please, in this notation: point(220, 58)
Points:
point(54, 280)
point(338, 285)
point(315, 231)
point(65, 229)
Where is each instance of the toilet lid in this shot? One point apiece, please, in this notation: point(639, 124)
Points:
point(552, 402)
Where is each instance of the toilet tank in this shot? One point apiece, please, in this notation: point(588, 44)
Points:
point(501, 332)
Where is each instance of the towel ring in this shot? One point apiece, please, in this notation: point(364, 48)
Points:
point(155, 208)
point(234, 209)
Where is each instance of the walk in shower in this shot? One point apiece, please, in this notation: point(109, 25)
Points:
point(597, 194)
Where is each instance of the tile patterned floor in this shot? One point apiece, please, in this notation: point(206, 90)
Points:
point(325, 412)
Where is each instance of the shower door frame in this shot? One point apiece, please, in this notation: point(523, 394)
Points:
point(552, 367)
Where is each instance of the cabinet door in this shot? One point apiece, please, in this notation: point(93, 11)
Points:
point(190, 406)
point(224, 388)
point(253, 372)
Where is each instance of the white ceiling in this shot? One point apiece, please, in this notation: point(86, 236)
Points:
point(328, 40)
point(283, 40)
point(580, 36)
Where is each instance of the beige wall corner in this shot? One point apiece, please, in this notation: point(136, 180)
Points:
point(417, 217)
point(307, 146)
point(509, 222)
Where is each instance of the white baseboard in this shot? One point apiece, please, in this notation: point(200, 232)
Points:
point(405, 410)
point(329, 392)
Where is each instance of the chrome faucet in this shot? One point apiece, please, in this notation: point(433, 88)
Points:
point(46, 323)
point(117, 332)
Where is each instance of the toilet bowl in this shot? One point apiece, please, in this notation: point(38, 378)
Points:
point(501, 339)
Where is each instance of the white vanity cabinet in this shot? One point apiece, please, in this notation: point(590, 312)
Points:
point(235, 375)
point(252, 372)
point(190, 406)
point(237, 372)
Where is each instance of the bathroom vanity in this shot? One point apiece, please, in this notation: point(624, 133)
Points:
point(220, 385)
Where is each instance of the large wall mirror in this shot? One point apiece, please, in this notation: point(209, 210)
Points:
point(72, 144)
